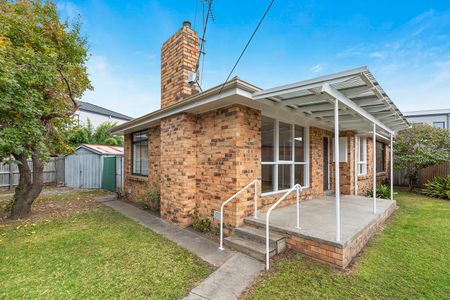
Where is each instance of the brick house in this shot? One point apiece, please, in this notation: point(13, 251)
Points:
point(201, 148)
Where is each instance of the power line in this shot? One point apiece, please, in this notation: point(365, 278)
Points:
point(195, 16)
point(248, 43)
point(202, 41)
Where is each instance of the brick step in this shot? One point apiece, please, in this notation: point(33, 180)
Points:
point(259, 235)
point(252, 248)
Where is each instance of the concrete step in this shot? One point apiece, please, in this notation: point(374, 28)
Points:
point(259, 235)
point(249, 247)
point(258, 223)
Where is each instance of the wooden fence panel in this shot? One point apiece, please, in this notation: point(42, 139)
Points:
point(424, 174)
point(9, 172)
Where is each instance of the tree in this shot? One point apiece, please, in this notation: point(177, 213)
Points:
point(88, 135)
point(42, 72)
point(419, 147)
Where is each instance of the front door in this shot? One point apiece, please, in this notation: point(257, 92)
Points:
point(326, 165)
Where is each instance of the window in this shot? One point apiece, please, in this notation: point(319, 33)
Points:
point(381, 150)
point(362, 155)
point(439, 125)
point(140, 153)
point(283, 153)
point(342, 149)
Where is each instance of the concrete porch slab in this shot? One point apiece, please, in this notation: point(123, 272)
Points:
point(317, 234)
point(318, 218)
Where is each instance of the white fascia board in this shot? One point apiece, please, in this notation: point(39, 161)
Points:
point(327, 88)
point(184, 108)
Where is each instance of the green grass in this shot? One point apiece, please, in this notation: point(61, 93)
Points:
point(409, 260)
point(99, 254)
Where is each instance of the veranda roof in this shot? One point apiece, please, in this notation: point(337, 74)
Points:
point(362, 101)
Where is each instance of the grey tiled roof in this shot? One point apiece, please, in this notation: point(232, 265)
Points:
point(89, 107)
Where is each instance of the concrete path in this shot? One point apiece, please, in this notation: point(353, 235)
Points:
point(235, 270)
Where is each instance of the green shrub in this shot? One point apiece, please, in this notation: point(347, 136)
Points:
point(383, 191)
point(7, 208)
point(201, 224)
point(151, 198)
point(439, 187)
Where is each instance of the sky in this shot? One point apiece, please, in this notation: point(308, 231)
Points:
point(405, 44)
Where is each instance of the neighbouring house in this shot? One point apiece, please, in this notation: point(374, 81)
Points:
point(94, 167)
point(201, 148)
point(438, 118)
point(97, 115)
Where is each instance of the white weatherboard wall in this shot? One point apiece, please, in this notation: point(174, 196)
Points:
point(429, 119)
point(96, 119)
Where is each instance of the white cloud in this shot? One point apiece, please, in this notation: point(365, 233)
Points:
point(68, 9)
point(130, 94)
point(413, 64)
point(377, 54)
point(317, 68)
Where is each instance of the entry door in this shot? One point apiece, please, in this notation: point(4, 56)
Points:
point(326, 165)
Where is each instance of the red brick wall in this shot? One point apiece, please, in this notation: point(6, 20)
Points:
point(178, 58)
point(135, 186)
point(202, 160)
point(228, 155)
point(178, 168)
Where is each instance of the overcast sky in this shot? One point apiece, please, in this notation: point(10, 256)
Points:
point(405, 44)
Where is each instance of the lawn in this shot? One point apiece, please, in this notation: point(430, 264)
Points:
point(409, 260)
point(97, 254)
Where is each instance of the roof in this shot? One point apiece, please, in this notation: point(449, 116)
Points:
point(102, 149)
point(362, 101)
point(95, 109)
point(427, 112)
point(234, 86)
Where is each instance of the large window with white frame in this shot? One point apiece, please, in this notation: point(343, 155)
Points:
point(284, 154)
point(362, 155)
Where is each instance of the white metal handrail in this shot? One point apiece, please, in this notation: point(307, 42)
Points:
point(255, 197)
point(296, 187)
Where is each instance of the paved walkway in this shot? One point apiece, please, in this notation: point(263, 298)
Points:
point(235, 270)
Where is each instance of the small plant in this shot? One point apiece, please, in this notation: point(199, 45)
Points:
point(151, 198)
point(383, 192)
point(439, 187)
point(217, 230)
point(201, 224)
point(9, 205)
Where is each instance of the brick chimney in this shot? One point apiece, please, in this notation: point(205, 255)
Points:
point(178, 59)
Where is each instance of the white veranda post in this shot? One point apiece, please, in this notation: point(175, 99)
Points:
point(374, 167)
point(392, 167)
point(336, 167)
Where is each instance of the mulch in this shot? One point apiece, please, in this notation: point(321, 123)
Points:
point(50, 206)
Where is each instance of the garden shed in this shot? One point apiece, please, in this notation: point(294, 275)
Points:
point(93, 167)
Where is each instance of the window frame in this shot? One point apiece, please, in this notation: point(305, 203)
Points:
point(383, 156)
point(358, 155)
point(133, 154)
point(439, 122)
point(292, 163)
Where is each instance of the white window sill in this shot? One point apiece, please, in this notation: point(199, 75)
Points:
point(280, 191)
